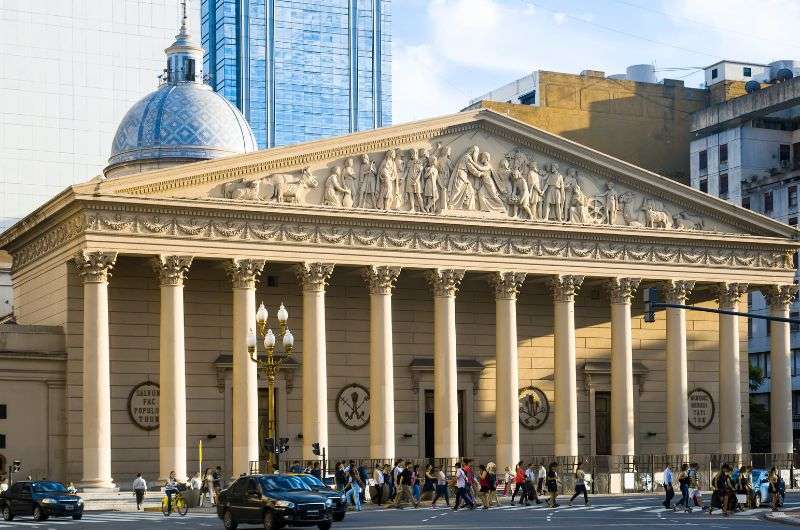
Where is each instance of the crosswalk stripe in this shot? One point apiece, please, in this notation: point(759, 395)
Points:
point(635, 509)
point(605, 508)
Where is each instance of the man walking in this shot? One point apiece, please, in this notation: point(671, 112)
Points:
point(216, 483)
point(530, 483)
point(377, 476)
point(668, 489)
point(461, 485)
point(139, 489)
point(404, 487)
point(541, 474)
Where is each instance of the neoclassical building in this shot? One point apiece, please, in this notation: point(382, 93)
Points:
point(461, 286)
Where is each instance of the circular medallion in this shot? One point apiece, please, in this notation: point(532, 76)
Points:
point(143, 405)
point(701, 409)
point(533, 407)
point(352, 406)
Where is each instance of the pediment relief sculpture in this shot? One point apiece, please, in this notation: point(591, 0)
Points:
point(480, 181)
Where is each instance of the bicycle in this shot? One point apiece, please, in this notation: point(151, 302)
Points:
point(179, 504)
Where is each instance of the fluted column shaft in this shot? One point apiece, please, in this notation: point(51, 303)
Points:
point(171, 271)
point(243, 274)
point(380, 281)
point(623, 437)
point(95, 269)
point(779, 297)
point(506, 286)
point(677, 389)
point(445, 284)
point(730, 391)
point(564, 289)
point(313, 277)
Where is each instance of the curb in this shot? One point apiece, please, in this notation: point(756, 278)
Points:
point(781, 518)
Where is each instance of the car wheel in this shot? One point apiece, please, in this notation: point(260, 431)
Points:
point(7, 515)
point(228, 521)
point(39, 514)
point(324, 526)
point(270, 521)
point(77, 516)
point(338, 517)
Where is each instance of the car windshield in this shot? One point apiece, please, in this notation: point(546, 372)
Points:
point(312, 481)
point(49, 487)
point(283, 483)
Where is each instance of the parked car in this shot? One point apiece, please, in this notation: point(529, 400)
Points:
point(338, 497)
point(41, 499)
point(274, 501)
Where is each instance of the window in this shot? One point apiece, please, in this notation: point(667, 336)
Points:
point(793, 221)
point(746, 202)
point(714, 73)
point(767, 202)
point(529, 98)
point(747, 71)
point(703, 162)
point(723, 154)
point(723, 185)
point(749, 328)
point(2, 441)
point(704, 185)
point(794, 370)
point(794, 315)
point(785, 149)
point(792, 196)
point(3, 411)
point(769, 328)
point(761, 360)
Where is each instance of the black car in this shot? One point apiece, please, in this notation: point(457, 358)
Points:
point(40, 498)
point(339, 500)
point(274, 501)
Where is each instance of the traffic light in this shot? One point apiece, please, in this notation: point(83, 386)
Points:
point(315, 448)
point(269, 445)
point(283, 445)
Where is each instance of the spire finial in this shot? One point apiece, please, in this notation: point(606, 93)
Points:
point(184, 16)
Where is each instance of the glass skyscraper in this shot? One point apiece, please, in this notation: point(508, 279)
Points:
point(301, 69)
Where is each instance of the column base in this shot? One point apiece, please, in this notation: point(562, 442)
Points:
point(98, 486)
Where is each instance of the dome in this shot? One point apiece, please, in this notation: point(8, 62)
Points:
point(182, 121)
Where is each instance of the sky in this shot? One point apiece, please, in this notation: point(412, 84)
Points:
point(446, 52)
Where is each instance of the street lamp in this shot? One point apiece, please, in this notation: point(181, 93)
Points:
point(270, 363)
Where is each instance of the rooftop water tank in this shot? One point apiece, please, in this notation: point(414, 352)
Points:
point(642, 73)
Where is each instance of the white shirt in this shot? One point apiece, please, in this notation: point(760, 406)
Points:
point(461, 478)
point(139, 484)
point(530, 474)
point(396, 472)
point(377, 476)
point(196, 483)
point(441, 480)
point(542, 472)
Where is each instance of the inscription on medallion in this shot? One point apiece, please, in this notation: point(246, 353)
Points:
point(701, 409)
point(143, 405)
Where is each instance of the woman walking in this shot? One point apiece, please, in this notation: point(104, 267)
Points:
point(683, 483)
point(441, 488)
point(519, 485)
point(743, 487)
point(508, 479)
point(430, 480)
point(580, 485)
point(415, 489)
point(774, 490)
point(491, 469)
point(483, 481)
point(551, 483)
point(354, 487)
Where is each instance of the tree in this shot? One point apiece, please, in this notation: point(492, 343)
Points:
point(759, 414)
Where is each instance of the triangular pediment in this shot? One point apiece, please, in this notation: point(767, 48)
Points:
point(476, 165)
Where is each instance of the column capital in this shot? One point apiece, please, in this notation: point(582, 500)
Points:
point(565, 287)
point(445, 282)
point(780, 296)
point(677, 291)
point(313, 276)
point(622, 290)
point(730, 294)
point(506, 284)
point(380, 279)
point(244, 272)
point(171, 270)
point(95, 266)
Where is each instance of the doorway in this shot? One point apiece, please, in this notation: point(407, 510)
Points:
point(602, 422)
point(430, 424)
point(263, 420)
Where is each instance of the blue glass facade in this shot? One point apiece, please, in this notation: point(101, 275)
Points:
point(301, 70)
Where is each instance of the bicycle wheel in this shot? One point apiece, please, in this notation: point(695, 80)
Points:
point(180, 506)
point(165, 506)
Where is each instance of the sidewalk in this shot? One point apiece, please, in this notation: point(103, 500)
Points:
point(791, 517)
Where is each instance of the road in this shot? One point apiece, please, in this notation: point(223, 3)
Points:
point(605, 512)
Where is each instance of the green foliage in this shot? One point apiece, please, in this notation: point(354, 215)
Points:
point(756, 376)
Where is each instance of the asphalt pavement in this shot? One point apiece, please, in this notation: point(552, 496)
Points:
point(604, 512)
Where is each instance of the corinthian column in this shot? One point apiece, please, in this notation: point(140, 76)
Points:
point(780, 396)
point(380, 281)
point(445, 284)
point(677, 390)
point(95, 269)
point(506, 287)
point(730, 391)
point(171, 271)
point(623, 437)
point(313, 277)
point(564, 289)
point(243, 274)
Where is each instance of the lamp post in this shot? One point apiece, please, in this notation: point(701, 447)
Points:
point(270, 363)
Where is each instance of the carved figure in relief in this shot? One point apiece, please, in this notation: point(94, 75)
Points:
point(687, 221)
point(520, 195)
point(388, 193)
point(488, 192)
point(367, 183)
point(610, 204)
point(444, 165)
point(535, 188)
point(242, 190)
point(349, 177)
point(413, 182)
point(430, 185)
point(462, 193)
point(629, 215)
point(286, 190)
point(579, 205)
point(553, 194)
point(654, 214)
point(570, 181)
point(336, 193)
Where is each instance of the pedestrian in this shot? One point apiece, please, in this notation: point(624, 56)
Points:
point(296, 467)
point(551, 483)
point(508, 479)
point(461, 489)
point(491, 468)
point(377, 478)
point(441, 488)
point(541, 474)
point(316, 471)
point(139, 489)
point(354, 487)
point(216, 483)
point(388, 479)
point(340, 476)
point(483, 481)
point(363, 474)
point(580, 485)
point(683, 483)
point(743, 488)
point(694, 486)
point(71, 489)
point(669, 491)
point(472, 482)
point(774, 490)
point(196, 482)
point(396, 471)
point(530, 483)
point(519, 485)
point(205, 487)
point(416, 491)
point(430, 480)
point(728, 490)
point(170, 489)
point(404, 487)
